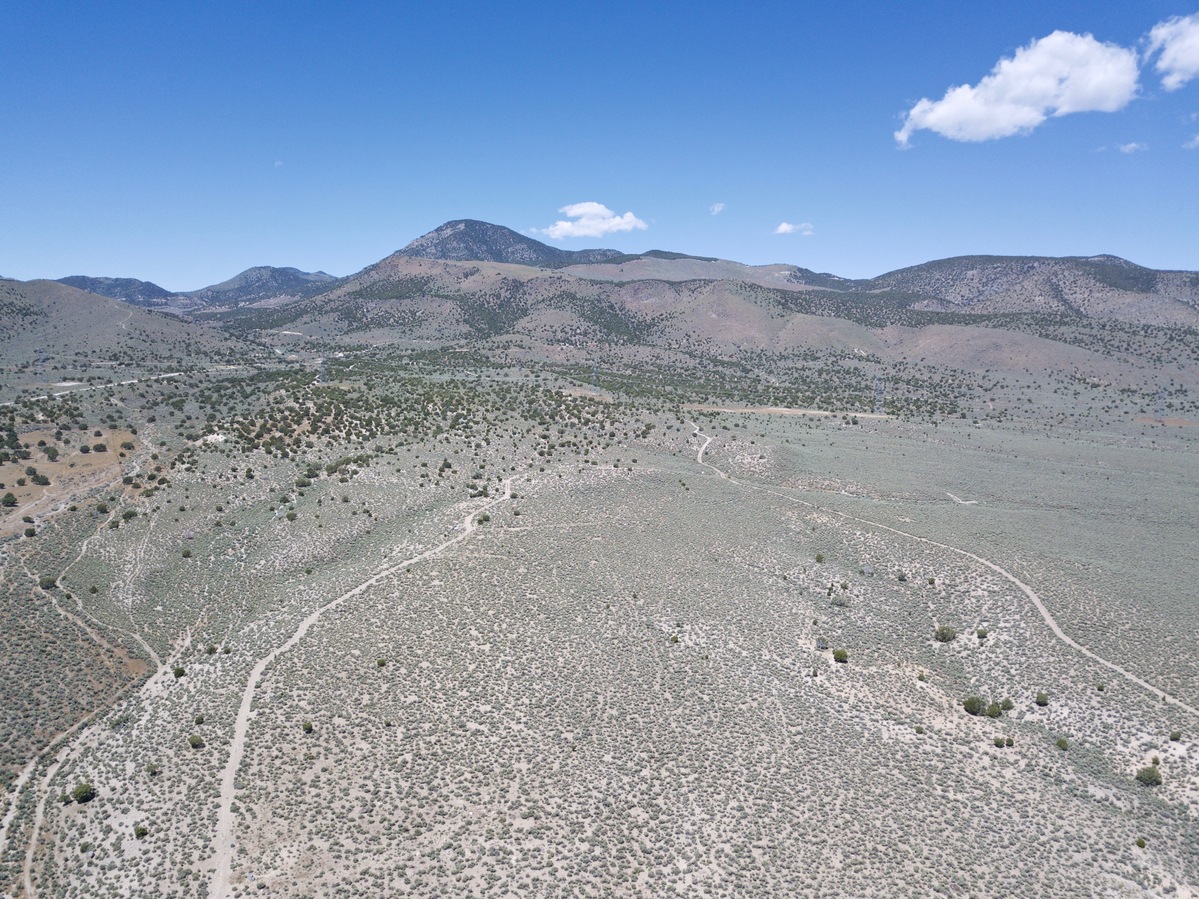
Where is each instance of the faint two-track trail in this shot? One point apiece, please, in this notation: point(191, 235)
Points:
point(223, 842)
point(1002, 572)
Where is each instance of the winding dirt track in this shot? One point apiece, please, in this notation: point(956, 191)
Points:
point(223, 842)
point(1002, 572)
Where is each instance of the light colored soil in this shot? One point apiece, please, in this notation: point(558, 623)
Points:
point(1023, 587)
point(72, 476)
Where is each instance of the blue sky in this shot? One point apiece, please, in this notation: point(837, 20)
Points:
point(182, 143)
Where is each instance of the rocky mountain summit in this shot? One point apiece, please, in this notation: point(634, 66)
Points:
point(468, 240)
point(264, 282)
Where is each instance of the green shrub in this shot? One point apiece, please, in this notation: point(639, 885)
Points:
point(999, 744)
point(994, 710)
point(974, 705)
point(1140, 842)
point(140, 830)
point(841, 656)
point(1150, 776)
point(1062, 744)
point(1007, 705)
point(307, 727)
point(195, 741)
point(945, 634)
point(83, 792)
point(1175, 735)
point(819, 557)
point(1042, 699)
point(178, 671)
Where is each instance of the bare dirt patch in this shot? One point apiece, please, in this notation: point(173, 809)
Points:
point(72, 475)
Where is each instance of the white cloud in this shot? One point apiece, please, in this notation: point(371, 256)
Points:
point(804, 228)
point(592, 220)
point(1178, 41)
point(1053, 76)
point(1133, 147)
point(716, 208)
point(1192, 144)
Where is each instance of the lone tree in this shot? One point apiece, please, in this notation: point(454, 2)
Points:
point(945, 634)
point(974, 705)
point(85, 792)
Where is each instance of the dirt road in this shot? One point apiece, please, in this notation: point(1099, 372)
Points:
point(223, 842)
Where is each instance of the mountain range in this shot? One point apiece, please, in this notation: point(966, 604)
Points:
point(262, 283)
point(1098, 287)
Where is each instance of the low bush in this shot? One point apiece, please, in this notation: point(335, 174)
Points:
point(1150, 776)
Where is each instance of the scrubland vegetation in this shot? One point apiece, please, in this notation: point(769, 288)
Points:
point(517, 618)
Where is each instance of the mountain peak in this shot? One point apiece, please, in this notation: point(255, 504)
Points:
point(469, 240)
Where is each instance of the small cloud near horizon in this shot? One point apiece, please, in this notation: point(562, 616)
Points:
point(803, 228)
point(716, 208)
point(592, 220)
point(1133, 147)
point(1192, 144)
